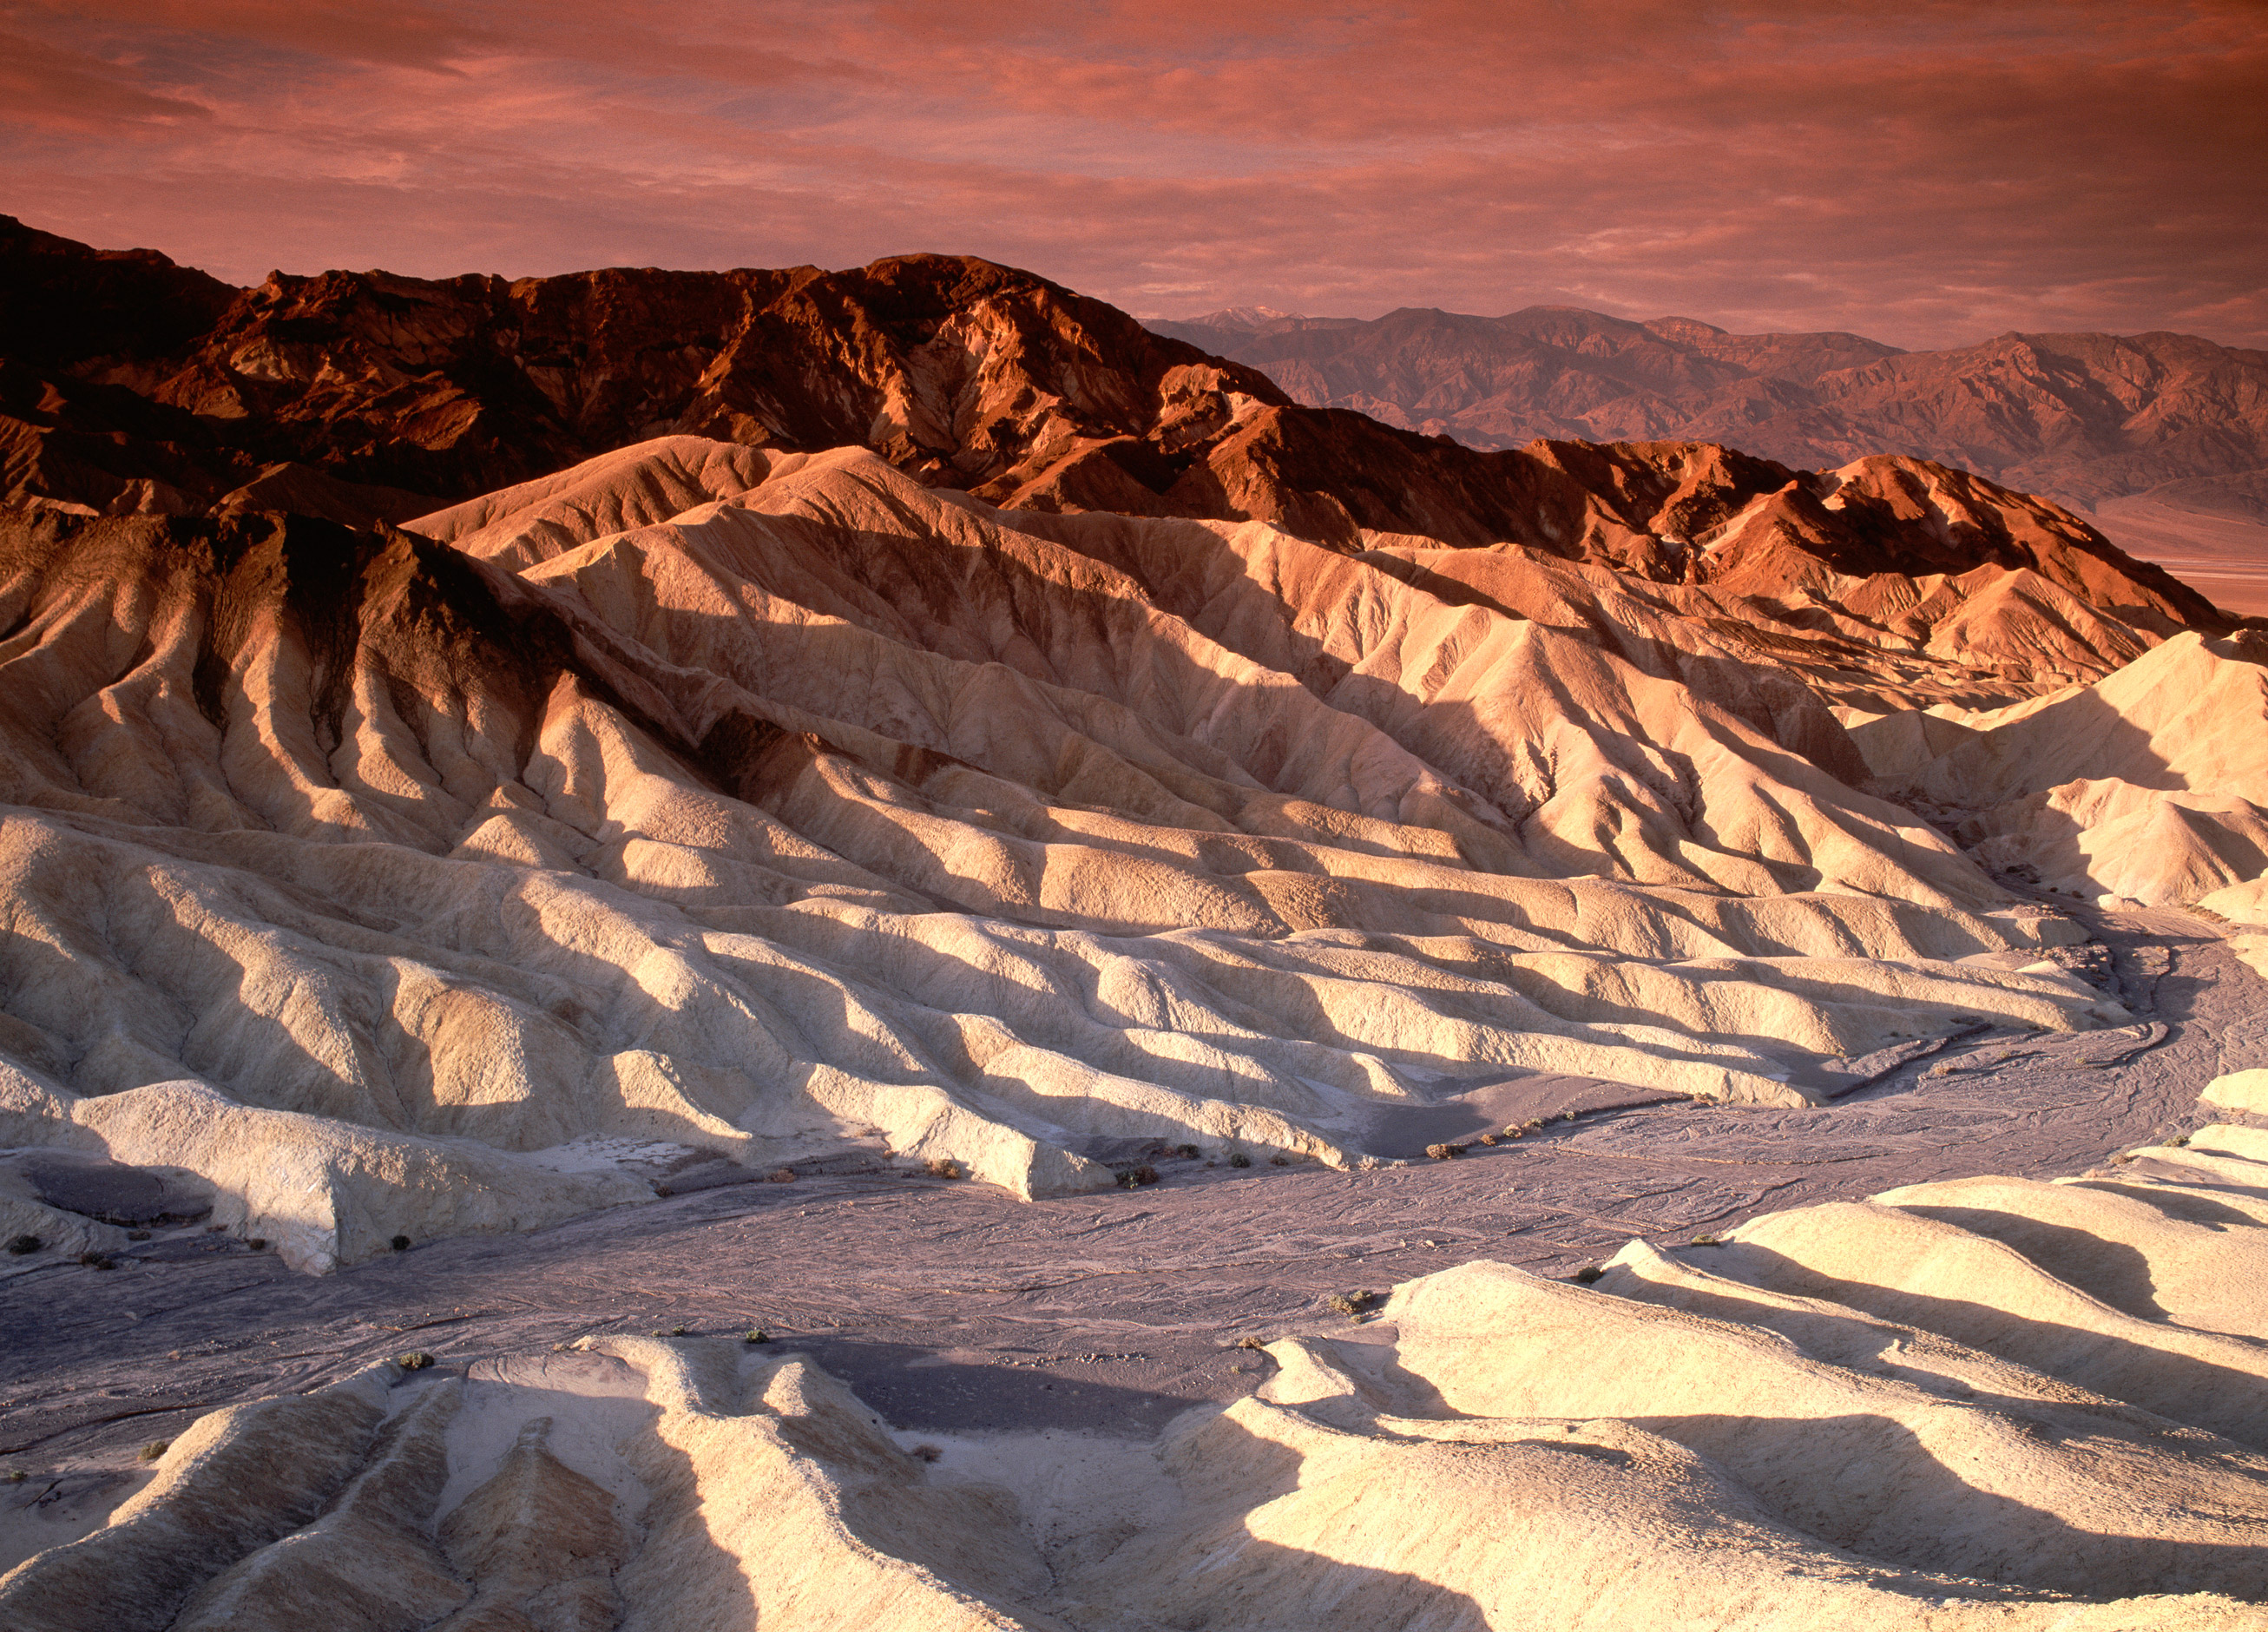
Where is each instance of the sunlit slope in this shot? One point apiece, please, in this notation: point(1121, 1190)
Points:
point(756, 803)
point(2150, 784)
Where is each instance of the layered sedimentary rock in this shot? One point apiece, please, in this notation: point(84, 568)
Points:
point(754, 803)
point(1990, 1403)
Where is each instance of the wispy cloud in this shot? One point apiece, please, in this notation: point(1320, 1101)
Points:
point(1925, 173)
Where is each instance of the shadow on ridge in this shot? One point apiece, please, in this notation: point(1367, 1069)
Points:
point(1879, 1492)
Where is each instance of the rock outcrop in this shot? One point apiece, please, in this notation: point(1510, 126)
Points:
point(132, 386)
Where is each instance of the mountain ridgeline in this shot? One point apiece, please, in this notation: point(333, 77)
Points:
point(129, 385)
point(2080, 417)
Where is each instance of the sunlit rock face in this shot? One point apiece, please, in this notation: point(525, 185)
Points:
point(135, 386)
point(760, 803)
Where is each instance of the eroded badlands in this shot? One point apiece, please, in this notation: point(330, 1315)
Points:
point(704, 801)
point(1992, 1402)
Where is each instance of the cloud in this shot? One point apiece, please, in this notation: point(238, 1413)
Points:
point(1925, 173)
point(48, 89)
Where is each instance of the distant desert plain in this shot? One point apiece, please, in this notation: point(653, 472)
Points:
point(877, 950)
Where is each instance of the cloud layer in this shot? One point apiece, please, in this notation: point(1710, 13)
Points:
point(1925, 173)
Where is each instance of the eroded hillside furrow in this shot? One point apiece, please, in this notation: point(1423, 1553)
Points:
point(778, 807)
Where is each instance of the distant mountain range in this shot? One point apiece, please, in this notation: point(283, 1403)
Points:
point(2083, 418)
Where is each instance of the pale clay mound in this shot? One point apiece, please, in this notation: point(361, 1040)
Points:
point(1989, 1403)
point(761, 805)
point(2150, 785)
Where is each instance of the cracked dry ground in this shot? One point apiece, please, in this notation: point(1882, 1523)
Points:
point(953, 1305)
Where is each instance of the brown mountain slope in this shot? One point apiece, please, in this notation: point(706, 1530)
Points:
point(2080, 417)
point(130, 385)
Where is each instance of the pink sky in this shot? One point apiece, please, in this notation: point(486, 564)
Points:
point(1927, 173)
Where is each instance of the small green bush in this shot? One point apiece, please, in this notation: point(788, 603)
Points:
point(19, 1245)
point(155, 1449)
point(943, 1167)
point(757, 1334)
point(1237, 1158)
point(399, 1244)
point(1587, 1275)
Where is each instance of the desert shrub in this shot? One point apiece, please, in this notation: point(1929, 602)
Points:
point(781, 1176)
point(1351, 1303)
point(399, 1244)
point(927, 1453)
point(95, 1260)
point(1249, 1341)
point(155, 1449)
point(416, 1360)
point(1279, 1159)
point(1134, 1177)
point(1237, 1158)
point(1488, 1139)
point(943, 1167)
point(258, 1243)
point(1707, 1241)
point(19, 1245)
point(1445, 1152)
point(1587, 1275)
point(757, 1334)
point(1188, 1153)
